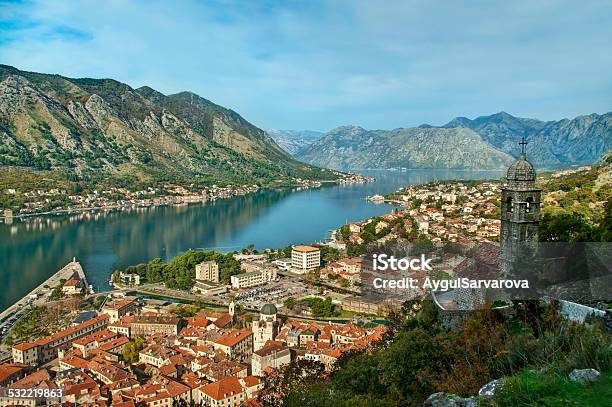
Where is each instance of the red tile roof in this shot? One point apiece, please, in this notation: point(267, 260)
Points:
point(223, 388)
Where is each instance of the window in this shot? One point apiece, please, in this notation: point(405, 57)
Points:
point(529, 203)
point(509, 204)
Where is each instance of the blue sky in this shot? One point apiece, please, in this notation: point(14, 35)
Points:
point(321, 64)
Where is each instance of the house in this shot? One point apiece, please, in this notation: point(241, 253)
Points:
point(228, 392)
point(72, 287)
point(273, 355)
point(236, 344)
point(116, 309)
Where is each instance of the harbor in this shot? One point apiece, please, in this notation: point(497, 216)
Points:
point(42, 293)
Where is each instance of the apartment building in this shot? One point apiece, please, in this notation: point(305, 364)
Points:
point(256, 274)
point(116, 309)
point(207, 271)
point(273, 355)
point(236, 344)
point(305, 259)
point(149, 324)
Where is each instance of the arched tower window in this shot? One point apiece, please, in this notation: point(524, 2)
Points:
point(509, 204)
point(529, 204)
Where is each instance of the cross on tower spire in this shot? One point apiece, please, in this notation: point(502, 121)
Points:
point(522, 143)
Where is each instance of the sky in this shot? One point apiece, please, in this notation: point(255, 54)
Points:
point(317, 65)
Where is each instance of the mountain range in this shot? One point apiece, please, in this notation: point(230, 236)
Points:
point(294, 141)
point(487, 142)
point(102, 129)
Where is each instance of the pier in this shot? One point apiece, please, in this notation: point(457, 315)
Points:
point(39, 295)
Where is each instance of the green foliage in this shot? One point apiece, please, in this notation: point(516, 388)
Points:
point(132, 349)
point(30, 324)
point(56, 294)
point(289, 303)
point(422, 358)
point(345, 232)
point(353, 250)
point(99, 301)
point(180, 272)
point(530, 388)
point(421, 246)
point(328, 254)
point(322, 307)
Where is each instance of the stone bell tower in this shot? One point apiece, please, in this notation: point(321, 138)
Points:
point(520, 212)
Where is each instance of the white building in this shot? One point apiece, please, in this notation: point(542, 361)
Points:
point(305, 259)
point(253, 278)
point(273, 355)
point(129, 279)
point(207, 271)
point(266, 327)
point(283, 264)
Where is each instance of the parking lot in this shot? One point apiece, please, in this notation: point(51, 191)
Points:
point(273, 292)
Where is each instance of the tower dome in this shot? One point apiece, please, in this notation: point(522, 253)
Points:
point(521, 173)
point(521, 170)
point(268, 309)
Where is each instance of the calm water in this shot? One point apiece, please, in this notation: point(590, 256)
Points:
point(32, 250)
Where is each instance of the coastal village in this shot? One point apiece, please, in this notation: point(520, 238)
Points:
point(443, 212)
point(57, 200)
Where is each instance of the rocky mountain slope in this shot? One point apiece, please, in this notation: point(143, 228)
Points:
point(582, 140)
point(103, 130)
point(294, 141)
point(354, 147)
point(487, 142)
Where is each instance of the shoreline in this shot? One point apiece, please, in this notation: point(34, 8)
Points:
point(171, 200)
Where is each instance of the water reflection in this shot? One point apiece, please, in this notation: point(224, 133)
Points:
point(32, 249)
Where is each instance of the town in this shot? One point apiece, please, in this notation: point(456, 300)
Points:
point(129, 350)
point(438, 212)
point(19, 203)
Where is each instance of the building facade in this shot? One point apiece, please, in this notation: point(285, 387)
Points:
point(305, 259)
point(207, 271)
point(145, 325)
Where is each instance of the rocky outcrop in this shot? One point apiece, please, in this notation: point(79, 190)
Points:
point(491, 388)
point(584, 375)
point(442, 399)
point(445, 400)
point(583, 139)
point(486, 142)
point(294, 141)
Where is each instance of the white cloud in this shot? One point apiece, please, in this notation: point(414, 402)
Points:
point(316, 65)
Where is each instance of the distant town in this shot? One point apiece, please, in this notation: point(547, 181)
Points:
point(57, 200)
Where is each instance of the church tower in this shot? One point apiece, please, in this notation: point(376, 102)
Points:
point(232, 309)
point(520, 212)
point(266, 328)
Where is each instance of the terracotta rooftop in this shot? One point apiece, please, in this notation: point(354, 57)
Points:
point(234, 337)
point(305, 249)
point(223, 388)
point(8, 370)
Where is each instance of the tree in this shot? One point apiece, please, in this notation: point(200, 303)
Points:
point(289, 303)
point(132, 349)
point(565, 227)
